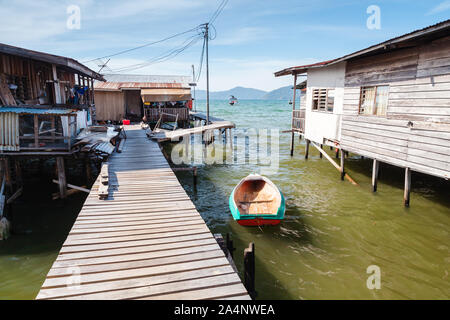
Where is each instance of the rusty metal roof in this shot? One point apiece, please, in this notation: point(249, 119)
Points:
point(438, 28)
point(147, 78)
point(118, 86)
point(117, 82)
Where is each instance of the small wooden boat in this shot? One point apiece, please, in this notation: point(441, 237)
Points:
point(257, 201)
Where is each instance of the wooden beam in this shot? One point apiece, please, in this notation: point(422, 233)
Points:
point(342, 164)
point(407, 191)
point(346, 176)
point(16, 194)
point(375, 168)
point(71, 186)
point(292, 117)
point(61, 177)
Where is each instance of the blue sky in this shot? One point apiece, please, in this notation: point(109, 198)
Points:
point(254, 37)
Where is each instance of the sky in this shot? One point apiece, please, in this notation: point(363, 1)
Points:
point(253, 38)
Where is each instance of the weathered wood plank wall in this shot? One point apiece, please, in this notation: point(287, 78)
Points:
point(416, 130)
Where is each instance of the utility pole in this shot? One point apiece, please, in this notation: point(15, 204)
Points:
point(207, 74)
point(194, 106)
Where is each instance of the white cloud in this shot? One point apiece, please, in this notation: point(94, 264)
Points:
point(244, 35)
point(443, 6)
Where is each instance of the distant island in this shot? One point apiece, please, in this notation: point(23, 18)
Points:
point(241, 93)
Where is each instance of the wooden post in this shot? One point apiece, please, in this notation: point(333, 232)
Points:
point(19, 180)
point(406, 195)
point(307, 149)
point(249, 270)
point(320, 153)
point(88, 170)
point(195, 177)
point(229, 245)
point(375, 167)
point(36, 131)
point(292, 117)
point(61, 177)
point(8, 177)
point(342, 164)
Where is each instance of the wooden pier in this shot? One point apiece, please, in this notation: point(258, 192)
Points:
point(175, 135)
point(145, 241)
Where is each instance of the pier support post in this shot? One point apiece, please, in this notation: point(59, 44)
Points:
point(375, 167)
point(249, 270)
point(320, 153)
point(8, 177)
point(307, 149)
point(292, 116)
point(19, 179)
point(406, 195)
point(87, 163)
point(61, 177)
point(342, 152)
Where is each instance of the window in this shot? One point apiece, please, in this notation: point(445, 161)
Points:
point(374, 100)
point(323, 100)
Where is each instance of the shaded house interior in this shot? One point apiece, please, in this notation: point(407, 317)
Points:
point(45, 100)
point(134, 97)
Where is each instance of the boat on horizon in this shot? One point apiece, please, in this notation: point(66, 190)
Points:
point(233, 100)
point(257, 201)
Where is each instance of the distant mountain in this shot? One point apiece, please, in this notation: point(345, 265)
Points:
point(283, 93)
point(241, 93)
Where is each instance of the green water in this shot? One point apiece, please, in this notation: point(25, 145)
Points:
point(332, 231)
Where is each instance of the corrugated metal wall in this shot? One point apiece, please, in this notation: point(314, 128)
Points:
point(9, 132)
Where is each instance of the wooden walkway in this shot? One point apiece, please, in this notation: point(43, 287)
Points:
point(175, 135)
point(147, 241)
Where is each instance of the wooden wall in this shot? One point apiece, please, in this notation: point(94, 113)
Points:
point(34, 75)
point(415, 133)
point(109, 105)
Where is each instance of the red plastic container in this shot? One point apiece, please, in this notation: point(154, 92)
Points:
point(126, 122)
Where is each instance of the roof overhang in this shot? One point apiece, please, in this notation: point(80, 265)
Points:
point(438, 30)
point(64, 62)
point(165, 95)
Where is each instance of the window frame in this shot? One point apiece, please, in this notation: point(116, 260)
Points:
point(325, 109)
point(375, 109)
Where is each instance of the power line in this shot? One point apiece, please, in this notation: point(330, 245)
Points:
point(163, 57)
point(145, 45)
point(218, 11)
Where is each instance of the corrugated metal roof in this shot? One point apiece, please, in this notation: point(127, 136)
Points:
point(436, 28)
point(116, 86)
point(20, 110)
point(147, 78)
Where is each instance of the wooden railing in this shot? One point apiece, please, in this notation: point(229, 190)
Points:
point(153, 114)
point(298, 120)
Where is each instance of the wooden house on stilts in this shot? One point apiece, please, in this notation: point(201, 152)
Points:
point(389, 102)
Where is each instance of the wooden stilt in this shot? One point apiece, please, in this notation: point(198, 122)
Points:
point(320, 155)
point(292, 117)
point(88, 170)
point(376, 165)
point(342, 164)
point(61, 177)
point(406, 195)
point(249, 270)
point(19, 180)
point(8, 177)
point(307, 149)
